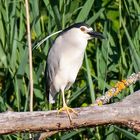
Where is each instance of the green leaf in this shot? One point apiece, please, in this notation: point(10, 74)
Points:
point(85, 11)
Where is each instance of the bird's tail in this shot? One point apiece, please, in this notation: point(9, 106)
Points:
point(51, 99)
point(50, 96)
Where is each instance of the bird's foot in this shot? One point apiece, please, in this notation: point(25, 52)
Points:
point(68, 111)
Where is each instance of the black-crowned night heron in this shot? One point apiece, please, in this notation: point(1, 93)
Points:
point(65, 59)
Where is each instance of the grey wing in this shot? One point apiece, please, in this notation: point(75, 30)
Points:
point(52, 65)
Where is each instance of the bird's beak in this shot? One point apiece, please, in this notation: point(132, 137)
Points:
point(96, 35)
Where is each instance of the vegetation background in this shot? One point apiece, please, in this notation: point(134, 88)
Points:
point(105, 63)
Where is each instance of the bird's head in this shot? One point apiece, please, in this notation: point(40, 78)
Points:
point(82, 31)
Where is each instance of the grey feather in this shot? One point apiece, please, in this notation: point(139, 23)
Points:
point(50, 72)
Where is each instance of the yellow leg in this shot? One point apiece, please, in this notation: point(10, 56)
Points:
point(66, 108)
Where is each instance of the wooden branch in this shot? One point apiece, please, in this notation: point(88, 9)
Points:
point(125, 113)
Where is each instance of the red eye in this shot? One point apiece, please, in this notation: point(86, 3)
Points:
point(82, 29)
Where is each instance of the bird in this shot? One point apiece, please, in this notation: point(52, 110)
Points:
point(65, 59)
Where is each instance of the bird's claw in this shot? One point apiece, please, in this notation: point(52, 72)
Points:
point(68, 111)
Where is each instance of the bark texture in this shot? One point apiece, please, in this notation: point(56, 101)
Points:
point(126, 112)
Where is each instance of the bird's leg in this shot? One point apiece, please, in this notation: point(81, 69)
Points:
point(66, 108)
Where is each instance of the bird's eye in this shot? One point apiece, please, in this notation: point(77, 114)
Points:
point(82, 29)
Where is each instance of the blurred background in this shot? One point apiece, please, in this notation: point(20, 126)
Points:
point(105, 63)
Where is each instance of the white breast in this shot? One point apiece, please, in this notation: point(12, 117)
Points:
point(71, 58)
